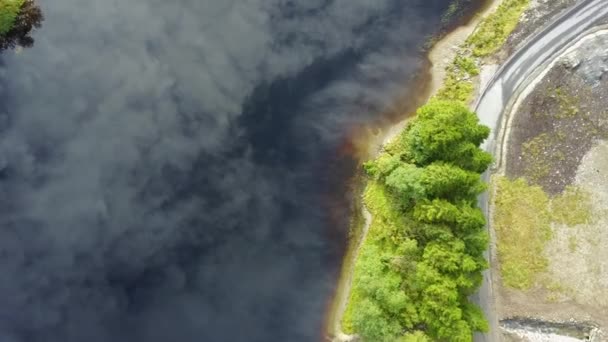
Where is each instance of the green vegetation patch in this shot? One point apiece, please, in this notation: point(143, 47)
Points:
point(384, 231)
point(572, 207)
point(538, 158)
point(523, 215)
point(489, 36)
point(9, 10)
point(495, 29)
point(423, 255)
point(376, 288)
point(556, 291)
point(347, 318)
point(568, 105)
point(458, 83)
point(522, 223)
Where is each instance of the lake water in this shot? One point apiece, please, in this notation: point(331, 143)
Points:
point(178, 170)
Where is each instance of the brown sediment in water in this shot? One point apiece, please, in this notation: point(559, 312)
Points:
point(344, 201)
point(362, 143)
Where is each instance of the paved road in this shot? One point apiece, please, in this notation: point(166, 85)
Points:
point(524, 63)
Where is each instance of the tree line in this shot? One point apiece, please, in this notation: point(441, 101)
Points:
point(423, 257)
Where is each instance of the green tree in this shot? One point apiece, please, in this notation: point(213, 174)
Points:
point(373, 324)
point(415, 275)
point(405, 180)
point(416, 336)
point(477, 242)
point(380, 279)
point(17, 20)
point(437, 180)
point(462, 217)
point(441, 180)
point(9, 9)
point(382, 166)
point(447, 131)
point(452, 260)
point(474, 317)
point(440, 305)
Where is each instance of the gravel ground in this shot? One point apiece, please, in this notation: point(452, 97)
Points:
point(556, 125)
point(559, 137)
point(583, 271)
point(578, 276)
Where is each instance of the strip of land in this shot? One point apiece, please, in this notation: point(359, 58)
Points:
point(461, 77)
point(458, 87)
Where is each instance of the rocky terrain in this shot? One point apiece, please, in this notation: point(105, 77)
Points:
point(558, 140)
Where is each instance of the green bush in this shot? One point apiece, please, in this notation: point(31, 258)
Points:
point(416, 336)
point(457, 85)
point(466, 65)
point(489, 36)
point(456, 89)
point(9, 9)
point(447, 131)
point(494, 30)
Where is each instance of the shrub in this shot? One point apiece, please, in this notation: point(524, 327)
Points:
point(9, 9)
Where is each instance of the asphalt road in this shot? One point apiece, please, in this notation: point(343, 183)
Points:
point(504, 86)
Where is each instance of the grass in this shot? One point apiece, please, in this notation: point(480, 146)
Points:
point(9, 9)
point(493, 31)
point(568, 104)
point(522, 222)
point(523, 216)
point(347, 318)
point(489, 36)
point(556, 291)
point(467, 65)
point(457, 86)
point(386, 228)
point(572, 207)
point(536, 156)
point(552, 297)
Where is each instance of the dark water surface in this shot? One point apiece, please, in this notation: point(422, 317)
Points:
point(169, 169)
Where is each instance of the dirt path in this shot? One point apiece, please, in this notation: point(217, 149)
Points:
point(347, 284)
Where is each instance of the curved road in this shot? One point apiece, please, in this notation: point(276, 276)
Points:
point(506, 85)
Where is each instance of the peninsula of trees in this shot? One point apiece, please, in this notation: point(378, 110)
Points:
point(424, 254)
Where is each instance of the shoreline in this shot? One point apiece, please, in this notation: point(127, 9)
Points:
point(439, 57)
